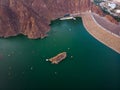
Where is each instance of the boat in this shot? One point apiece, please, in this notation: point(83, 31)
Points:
point(58, 58)
point(66, 18)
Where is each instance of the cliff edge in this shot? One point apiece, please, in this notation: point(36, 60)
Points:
point(32, 17)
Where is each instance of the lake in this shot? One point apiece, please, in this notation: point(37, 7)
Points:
point(89, 63)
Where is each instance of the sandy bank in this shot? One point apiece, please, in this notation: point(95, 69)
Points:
point(97, 31)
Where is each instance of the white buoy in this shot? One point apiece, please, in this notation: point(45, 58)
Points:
point(31, 68)
point(68, 48)
point(9, 55)
point(71, 56)
point(70, 29)
point(47, 59)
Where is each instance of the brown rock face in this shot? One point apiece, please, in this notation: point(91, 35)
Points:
point(32, 17)
point(111, 19)
point(97, 10)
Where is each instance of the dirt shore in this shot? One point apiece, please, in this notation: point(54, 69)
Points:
point(100, 33)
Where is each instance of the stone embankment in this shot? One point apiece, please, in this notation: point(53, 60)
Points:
point(100, 33)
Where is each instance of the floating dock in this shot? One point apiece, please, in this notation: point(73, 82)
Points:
point(67, 18)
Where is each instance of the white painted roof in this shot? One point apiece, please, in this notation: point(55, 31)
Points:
point(118, 11)
point(112, 5)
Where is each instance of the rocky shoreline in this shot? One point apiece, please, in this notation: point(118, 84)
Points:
point(32, 17)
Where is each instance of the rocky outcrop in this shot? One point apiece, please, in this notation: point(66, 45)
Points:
point(98, 10)
point(32, 17)
point(111, 19)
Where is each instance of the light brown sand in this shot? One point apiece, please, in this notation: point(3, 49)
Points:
point(100, 33)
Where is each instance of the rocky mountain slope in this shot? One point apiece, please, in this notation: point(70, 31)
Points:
point(32, 17)
point(96, 9)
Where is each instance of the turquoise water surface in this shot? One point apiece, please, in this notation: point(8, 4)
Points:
point(89, 63)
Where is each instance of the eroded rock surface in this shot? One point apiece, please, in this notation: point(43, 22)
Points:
point(32, 17)
point(97, 10)
point(111, 19)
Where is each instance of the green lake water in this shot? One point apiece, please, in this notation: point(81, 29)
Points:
point(89, 63)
